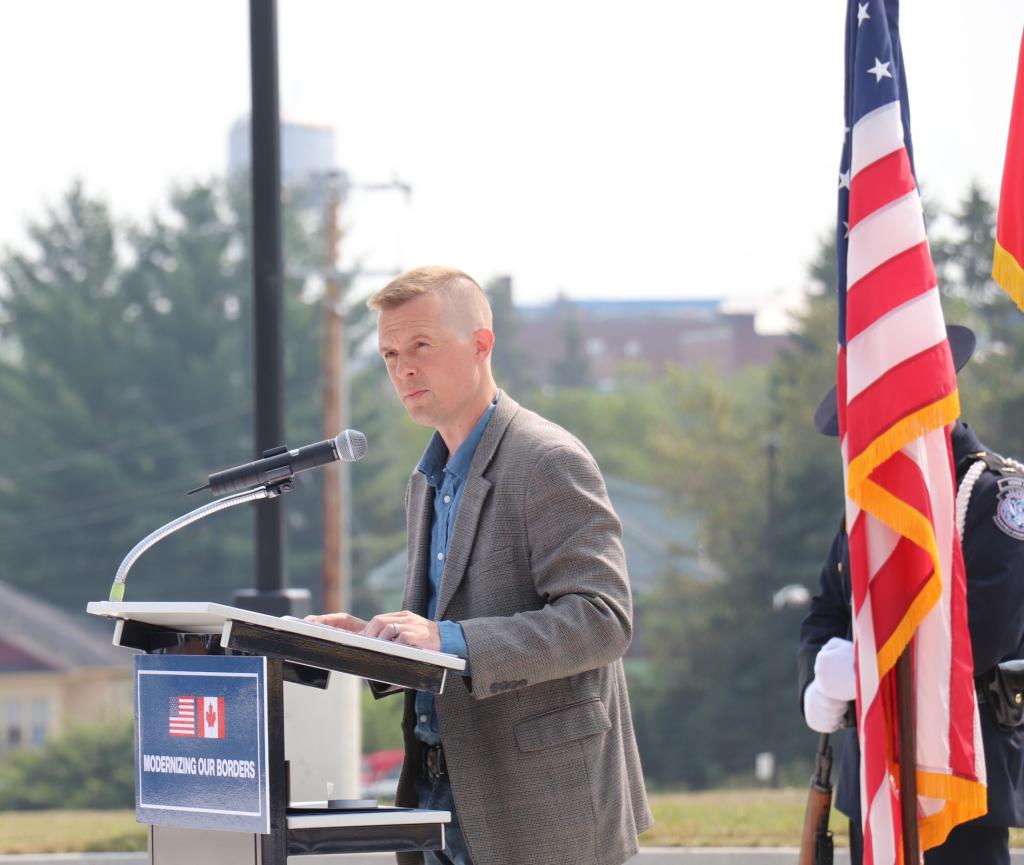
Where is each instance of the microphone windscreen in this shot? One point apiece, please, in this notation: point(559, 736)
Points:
point(351, 445)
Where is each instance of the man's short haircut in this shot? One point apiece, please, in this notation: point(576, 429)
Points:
point(457, 287)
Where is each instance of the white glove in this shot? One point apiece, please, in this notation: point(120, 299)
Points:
point(834, 670)
point(823, 714)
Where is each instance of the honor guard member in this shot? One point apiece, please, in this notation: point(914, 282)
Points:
point(990, 521)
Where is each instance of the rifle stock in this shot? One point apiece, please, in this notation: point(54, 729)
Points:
point(816, 839)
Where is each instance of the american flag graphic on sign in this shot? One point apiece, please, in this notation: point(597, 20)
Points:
point(897, 391)
point(182, 717)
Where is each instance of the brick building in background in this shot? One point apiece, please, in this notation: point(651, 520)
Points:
point(599, 340)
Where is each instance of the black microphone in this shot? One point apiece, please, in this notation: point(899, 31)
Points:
point(280, 464)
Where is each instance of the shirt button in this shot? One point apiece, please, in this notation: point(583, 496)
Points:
point(447, 499)
point(424, 719)
point(440, 557)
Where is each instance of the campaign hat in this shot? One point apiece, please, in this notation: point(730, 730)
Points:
point(961, 343)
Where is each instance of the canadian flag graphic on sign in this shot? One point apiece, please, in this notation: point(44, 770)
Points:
point(211, 717)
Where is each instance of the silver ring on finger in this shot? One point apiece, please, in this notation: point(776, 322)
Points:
point(395, 630)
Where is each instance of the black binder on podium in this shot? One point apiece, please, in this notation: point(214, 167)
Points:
point(211, 776)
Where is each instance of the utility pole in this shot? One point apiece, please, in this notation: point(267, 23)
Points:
point(335, 580)
point(340, 747)
point(335, 577)
point(344, 748)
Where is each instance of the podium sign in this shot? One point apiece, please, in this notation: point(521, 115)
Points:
point(201, 742)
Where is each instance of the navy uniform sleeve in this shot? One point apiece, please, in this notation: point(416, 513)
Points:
point(829, 615)
point(994, 560)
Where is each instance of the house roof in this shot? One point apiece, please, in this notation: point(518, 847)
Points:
point(653, 537)
point(38, 635)
point(654, 540)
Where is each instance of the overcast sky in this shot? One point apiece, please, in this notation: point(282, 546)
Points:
point(600, 149)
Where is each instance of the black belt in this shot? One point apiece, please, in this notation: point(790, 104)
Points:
point(434, 765)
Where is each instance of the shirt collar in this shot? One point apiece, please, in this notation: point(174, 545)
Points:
point(433, 462)
point(965, 445)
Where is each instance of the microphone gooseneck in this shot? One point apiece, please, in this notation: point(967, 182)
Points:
point(265, 478)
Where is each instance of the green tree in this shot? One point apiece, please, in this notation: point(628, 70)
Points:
point(618, 427)
point(513, 367)
point(991, 387)
point(963, 258)
point(382, 722)
point(810, 483)
point(126, 375)
point(741, 455)
point(573, 368)
point(717, 668)
point(379, 480)
point(733, 654)
point(90, 767)
point(736, 652)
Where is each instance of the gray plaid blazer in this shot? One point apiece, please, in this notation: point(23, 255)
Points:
point(538, 739)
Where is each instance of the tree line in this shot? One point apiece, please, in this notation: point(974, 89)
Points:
point(126, 377)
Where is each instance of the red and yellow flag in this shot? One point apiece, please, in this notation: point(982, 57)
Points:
point(1008, 258)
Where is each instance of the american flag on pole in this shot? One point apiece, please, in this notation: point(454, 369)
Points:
point(182, 720)
point(897, 391)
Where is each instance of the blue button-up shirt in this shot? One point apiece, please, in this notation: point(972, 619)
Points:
point(447, 477)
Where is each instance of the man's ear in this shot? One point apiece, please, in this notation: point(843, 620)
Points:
point(483, 341)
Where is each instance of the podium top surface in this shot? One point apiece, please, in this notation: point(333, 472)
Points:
point(208, 618)
point(383, 816)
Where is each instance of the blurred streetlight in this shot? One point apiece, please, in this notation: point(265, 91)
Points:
point(791, 595)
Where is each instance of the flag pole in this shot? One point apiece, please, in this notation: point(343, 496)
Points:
point(908, 757)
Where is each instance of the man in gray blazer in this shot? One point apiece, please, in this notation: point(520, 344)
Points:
point(516, 565)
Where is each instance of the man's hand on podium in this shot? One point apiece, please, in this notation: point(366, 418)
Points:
point(405, 628)
point(402, 627)
point(339, 620)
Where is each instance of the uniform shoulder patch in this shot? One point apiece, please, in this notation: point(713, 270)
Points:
point(1010, 505)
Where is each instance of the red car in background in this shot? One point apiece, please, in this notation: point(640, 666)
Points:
point(380, 771)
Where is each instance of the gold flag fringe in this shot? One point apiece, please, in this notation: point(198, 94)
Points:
point(1007, 271)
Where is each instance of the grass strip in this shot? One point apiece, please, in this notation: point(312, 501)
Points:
point(720, 818)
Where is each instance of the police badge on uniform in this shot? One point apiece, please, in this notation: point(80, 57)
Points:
point(1010, 507)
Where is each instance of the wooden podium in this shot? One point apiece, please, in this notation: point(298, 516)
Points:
point(245, 654)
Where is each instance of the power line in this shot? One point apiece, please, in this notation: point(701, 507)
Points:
point(104, 510)
point(91, 503)
point(87, 514)
point(163, 430)
point(83, 519)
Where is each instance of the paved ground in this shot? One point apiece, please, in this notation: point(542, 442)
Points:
point(648, 856)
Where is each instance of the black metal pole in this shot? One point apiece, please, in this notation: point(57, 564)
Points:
point(271, 593)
